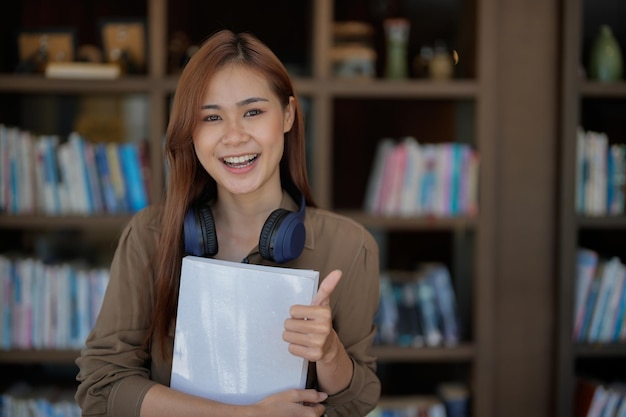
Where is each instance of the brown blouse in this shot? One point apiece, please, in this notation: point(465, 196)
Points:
point(115, 369)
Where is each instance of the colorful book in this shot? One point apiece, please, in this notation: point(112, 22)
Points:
point(586, 265)
point(136, 195)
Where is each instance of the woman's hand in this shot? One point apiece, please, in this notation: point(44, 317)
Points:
point(294, 402)
point(309, 331)
point(310, 335)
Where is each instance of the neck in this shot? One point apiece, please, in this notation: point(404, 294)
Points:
point(239, 220)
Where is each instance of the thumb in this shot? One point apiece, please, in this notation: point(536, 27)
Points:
point(326, 288)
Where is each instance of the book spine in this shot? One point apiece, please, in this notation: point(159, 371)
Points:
point(131, 167)
point(586, 265)
point(108, 190)
point(428, 310)
point(117, 176)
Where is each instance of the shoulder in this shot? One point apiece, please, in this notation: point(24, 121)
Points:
point(327, 226)
point(144, 228)
point(148, 218)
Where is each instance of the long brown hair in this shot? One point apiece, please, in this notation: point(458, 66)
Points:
point(188, 181)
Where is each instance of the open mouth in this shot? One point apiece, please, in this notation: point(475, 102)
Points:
point(239, 161)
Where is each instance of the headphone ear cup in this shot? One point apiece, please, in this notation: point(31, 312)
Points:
point(199, 232)
point(282, 237)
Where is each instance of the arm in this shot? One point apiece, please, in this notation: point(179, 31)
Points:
point(340, 348)
point(161, 401)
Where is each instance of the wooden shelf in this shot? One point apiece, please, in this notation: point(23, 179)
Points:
point(409, 89)
point(604, 222)
point(325, 94)
point(41, 222)
point(38, 84)
point(599, 350)
point(410, 223)
point(461, 353)
point(18, 356)
point(596, 106)
point(595, 89)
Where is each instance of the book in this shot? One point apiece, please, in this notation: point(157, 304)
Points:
point(607, 285)
point(586, 264)
point(585, 390)
point(455, 397)
point(590, 303)
point(82, 70)
point(430, 318)
point(610, 319)
point(373, 192)
point(439, 278)
point(136, 195)
point(228, 343)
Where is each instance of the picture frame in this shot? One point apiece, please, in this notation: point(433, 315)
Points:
point(51, 45)
point(124, 42)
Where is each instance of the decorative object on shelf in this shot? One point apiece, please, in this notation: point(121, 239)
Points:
point(352, 53)
point(178, 51)
point(37, 48)
point(422, 60)
point(397, 39)
point(606, 62)
point(441, 65)
point(124, 43)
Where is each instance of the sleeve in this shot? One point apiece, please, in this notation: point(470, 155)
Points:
point(113, 367)
point(354, 308)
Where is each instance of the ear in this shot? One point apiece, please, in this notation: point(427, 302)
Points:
point(290, 114)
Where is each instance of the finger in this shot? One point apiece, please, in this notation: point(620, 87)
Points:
point(311, 396)
point(326, 288)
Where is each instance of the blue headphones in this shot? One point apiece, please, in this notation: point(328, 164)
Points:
point(281, 240)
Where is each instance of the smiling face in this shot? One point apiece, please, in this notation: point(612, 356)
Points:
point(239, 138)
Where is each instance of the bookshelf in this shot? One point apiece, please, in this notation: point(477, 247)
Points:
point(595, 106)
point(457, 110)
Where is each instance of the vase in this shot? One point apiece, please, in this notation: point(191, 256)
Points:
point(397, 37)
point(606, 62)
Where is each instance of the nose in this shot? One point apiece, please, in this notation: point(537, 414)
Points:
point(234, 134)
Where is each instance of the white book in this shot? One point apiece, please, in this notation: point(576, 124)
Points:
point(409, 203)
point(228, 343)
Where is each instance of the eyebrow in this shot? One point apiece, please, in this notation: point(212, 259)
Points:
point(239, 103)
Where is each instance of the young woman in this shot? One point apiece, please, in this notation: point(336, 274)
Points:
point(235, 148)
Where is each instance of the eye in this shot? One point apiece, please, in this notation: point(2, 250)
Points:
point(253, 112)
point(211, 118)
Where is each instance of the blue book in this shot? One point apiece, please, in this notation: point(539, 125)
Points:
point(136, 195)
point(108, 190)
point(589, 306)
point(620, 313)
point(608, 279)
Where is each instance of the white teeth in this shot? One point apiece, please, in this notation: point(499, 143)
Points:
point(239, 159)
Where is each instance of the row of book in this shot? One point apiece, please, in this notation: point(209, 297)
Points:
point(596, 399)
point(49, 175)
point(48, 306)
point(413, 179)
point(450, 400)
point(417, 308)
point(24, 400)
point(600, 303)
point(600, 174)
